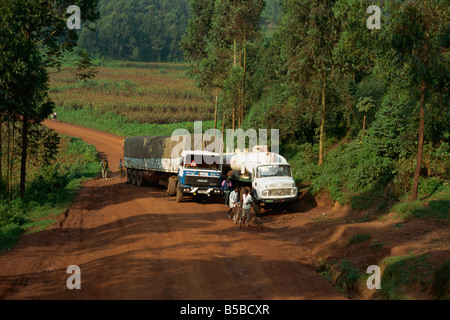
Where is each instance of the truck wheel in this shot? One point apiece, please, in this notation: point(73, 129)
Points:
point(256, 209)
point(179, 195)
point(133, 177)
point(172, 189)
point(140, 181)
point(129, 174)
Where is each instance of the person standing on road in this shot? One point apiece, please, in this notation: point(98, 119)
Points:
point(246, 205)
point(121, 169)
point(233, 200)
point(226, 188)
point(104, 166)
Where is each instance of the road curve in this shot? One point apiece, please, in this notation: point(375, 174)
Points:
point(139, 243)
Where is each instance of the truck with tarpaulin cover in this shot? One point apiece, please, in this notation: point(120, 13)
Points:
point(182, 164)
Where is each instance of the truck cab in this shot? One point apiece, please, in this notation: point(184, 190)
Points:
point(273, 183)
point(268, 175)
point(199, 173)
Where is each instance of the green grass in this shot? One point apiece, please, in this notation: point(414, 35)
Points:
point(403, 272)
point(49, 193)
point(376, 246)
point(115, 124)
point(344, 276)
point(440, 286)
point(358, 239)
point(435, 206)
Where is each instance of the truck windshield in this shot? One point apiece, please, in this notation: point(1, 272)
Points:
point(274, 171)
point(202, 162)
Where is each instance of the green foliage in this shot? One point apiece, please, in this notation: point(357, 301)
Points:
point(355, 168)
point(13, 212)
point(49, 192)
point(138, 30)
point(358, 239)
point(434, 202)
point(377, 246)
point(343, 275)
point(402, 272)
point(84, 68)
point(116, 124)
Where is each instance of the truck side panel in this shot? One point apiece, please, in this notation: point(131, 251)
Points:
point(153, 164)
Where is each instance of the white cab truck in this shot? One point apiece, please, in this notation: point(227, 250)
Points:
point(267, 174)
point(165, 161)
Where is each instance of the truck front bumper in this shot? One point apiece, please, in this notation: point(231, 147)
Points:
point(188, 190)
point(279, 200)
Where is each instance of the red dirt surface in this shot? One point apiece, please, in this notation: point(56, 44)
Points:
point(139, 243)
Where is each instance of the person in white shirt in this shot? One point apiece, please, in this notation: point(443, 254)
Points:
point(246, 205)
point(233, 200)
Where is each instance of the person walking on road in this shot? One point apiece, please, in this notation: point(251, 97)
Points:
point(233, 200)
point(104, 166)
point(246, 205)
point(226, 188)
point(121, 169)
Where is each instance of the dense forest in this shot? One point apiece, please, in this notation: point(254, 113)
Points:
point(149, 30)
point(360, 111)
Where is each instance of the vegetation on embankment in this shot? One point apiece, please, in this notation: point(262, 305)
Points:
point(51, 189)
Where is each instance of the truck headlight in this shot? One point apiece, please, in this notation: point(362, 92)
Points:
point(294, 191)
point(265, 193)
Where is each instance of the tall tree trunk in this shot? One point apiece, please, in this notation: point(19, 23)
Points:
point(1, 152)
point(23, 164)
point(216, 106)
point(415, 188)
point(234, 53)
point(11, 163)
point(234, 65)
point(223, 123)
point(364, 123)
point(322, 124)
point(245, 71)
point(8, 155)
point(233, 119)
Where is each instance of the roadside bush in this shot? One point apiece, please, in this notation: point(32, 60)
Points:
point(13, 212)
point(353, 168)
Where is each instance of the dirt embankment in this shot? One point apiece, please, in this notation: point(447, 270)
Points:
point(331, 234)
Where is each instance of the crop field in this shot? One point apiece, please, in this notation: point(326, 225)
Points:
point(151, 93)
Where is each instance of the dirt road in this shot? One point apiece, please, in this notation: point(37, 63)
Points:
point(138, 243)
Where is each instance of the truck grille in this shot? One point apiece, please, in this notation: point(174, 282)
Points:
point(202, 181)
point(279, 192)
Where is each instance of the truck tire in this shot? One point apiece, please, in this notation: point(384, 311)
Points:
point(179, 195)
point(172, 188)
point(140, 181)
point(134, 177)
point(129, 174)
point(257, 209)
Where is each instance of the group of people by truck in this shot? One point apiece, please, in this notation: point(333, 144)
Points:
point(239, 206)
point(104, 165)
